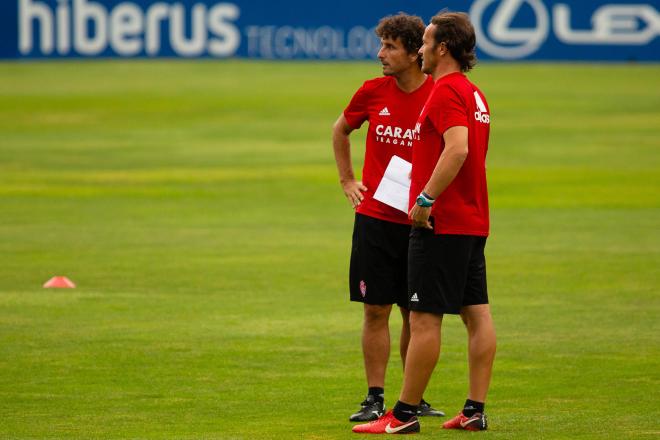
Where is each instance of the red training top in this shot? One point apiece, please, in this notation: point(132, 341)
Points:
point(392, 114)
point(462, 208)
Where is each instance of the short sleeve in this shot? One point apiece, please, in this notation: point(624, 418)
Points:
point(358, 109)
point(449, 110)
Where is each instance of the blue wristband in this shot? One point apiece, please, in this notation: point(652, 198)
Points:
point(424, 200)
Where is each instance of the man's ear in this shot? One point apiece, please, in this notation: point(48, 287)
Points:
point(441, 49)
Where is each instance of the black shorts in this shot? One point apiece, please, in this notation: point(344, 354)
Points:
point(379, 268)
point(445, 272)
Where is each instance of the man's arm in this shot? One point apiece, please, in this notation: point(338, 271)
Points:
point(341, 144)
point(449, 164)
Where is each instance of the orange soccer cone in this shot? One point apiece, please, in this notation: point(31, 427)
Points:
point(59, 283)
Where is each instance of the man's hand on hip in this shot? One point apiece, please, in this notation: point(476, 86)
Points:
point(353, 192)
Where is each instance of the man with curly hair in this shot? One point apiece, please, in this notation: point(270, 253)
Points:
point(378, 265)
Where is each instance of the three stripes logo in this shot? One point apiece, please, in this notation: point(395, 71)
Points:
point(384, 112)
point(481, 115)
point(414, 298)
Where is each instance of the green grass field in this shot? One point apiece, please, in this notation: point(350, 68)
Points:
point(196, 206)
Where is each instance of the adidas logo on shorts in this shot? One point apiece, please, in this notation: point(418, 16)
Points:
point(414, 298)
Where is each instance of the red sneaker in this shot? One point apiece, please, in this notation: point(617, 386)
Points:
point(388, 424)
point(477, 422)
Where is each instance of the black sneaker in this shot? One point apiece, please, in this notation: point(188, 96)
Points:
point(371, 410)
point(425, 410)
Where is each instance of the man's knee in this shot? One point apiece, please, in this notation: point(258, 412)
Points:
point(421, 322)
point(376, 314)
point(479, 321)
point(477, 315)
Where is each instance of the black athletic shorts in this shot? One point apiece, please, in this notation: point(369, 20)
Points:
point(378, 273)
point(445, 272)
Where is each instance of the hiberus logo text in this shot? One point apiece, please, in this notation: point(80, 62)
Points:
point(388, 134)
point(88, 28)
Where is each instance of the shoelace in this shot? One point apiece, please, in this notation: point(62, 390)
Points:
point(367, 402)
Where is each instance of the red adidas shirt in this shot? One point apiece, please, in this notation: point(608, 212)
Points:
point(392, 114)
point(462, 208)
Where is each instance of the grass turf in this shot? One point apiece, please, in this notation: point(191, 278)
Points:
point(196, 206)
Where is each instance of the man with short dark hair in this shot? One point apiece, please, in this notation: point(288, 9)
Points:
point(378, 267)
point(449, 198)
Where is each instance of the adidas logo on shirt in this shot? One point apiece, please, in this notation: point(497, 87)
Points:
point(414, 298)
point(384, 112)
point(481, 114)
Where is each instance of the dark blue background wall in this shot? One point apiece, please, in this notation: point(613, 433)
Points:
point(295, 29)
